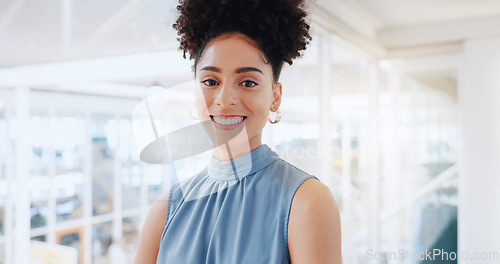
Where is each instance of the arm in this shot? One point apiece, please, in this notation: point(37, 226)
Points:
point(149, 240)
point(314, 225)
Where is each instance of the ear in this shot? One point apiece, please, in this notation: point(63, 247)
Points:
point(276, 96)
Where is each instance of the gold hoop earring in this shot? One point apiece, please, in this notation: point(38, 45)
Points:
point(191, 112)
point(278, 117)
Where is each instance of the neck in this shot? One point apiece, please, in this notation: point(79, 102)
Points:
point(232, 150)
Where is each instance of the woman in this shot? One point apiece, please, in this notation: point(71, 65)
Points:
point(247, 205)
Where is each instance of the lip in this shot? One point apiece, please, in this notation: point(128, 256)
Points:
point(227, 127)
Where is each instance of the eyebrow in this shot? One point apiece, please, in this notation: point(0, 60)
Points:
point(248, 69)
point(239, 70)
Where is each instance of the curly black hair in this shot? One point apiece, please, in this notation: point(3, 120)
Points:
point(278, 27)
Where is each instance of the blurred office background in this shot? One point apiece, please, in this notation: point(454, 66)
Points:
point(395, 106)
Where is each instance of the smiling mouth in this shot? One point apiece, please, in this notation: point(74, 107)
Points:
point(227, 121)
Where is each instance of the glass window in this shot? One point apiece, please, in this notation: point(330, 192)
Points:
point(298, 144)
point(154, 181)
point(69, 203)
point(69, 139)
point(101, 240)
point(130, 172)
point(104, 141)
point(40, 163)
point(73, 237)
point(68, 130)
point(131, 226)
point(41, 238)
point(2, 252)
point(3, 178)
point(40, 142)
point(126, 149)
point(131, 235)
point(131, 186)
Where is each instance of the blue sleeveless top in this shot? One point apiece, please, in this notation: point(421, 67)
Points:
point(232, 212)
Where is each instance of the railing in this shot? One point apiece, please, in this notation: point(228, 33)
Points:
point(430, 187)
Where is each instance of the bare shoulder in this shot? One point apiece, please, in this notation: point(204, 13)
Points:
point(152, 230)
point(314, 225)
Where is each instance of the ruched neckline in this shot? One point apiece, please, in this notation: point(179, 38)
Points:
point(242, 166)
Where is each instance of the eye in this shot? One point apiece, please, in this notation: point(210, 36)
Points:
point(249, 83)
point(210, 82)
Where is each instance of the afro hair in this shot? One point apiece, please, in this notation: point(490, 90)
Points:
point(278, 27)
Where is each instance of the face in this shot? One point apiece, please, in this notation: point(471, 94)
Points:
point(235, 92)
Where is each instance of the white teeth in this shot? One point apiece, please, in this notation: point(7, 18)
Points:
point(227, 121)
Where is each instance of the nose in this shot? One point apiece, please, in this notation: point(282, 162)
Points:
point(226, 96)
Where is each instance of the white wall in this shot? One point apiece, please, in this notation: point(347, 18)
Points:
point(479, 114)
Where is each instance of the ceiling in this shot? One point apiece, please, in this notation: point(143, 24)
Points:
point(396, 13)
point(33, 31)
point(41, 32)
